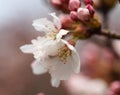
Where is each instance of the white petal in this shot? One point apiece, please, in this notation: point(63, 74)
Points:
point(40, 41)
point(56, 21)
point(37, 54)
point(61, 33)
point(27, 48)
point(69, 45)
point(76, 60)
point(75, 56)
point(116, 45)
point(63, 71)
point(43, 25)
point(37, 68)
point(55, 82)
point(53, 46)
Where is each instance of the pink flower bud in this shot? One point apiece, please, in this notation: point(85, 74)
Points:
point(115, 87)
point(60, 4)
point(66, 21)
point(83, 14)
point(110, 93)
point(88, 2)
point(91, 9)
point(73, 15)
point(64, 1)
point(74, 5)
point(56, 3)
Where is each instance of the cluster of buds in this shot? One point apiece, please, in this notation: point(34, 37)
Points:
point(60, 4)
point(79, 13)
point(83, 21)
point(84, 18)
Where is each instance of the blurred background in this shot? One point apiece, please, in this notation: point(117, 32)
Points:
point(99, 64)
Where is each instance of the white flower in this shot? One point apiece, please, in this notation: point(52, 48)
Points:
point(44, 25)
point(59, 58)
point(51, 29)
point(53, 54)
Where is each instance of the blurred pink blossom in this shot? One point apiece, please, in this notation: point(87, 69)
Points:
point(82, 85)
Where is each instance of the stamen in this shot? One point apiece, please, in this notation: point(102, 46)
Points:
point(63, 53)
point(52, 35)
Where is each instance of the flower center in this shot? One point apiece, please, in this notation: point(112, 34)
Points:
point(63, 53)
point(52, 35)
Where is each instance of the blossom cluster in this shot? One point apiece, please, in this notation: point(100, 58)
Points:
point(52, 53)
point(55, 52)
point(79, 13)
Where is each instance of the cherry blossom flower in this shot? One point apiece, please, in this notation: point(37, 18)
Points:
point(44, 25)
point(52, 54)
point(78, 85)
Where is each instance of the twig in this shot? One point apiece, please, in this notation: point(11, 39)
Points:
point(109, 34)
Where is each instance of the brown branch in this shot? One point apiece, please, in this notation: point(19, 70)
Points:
point(109, 34)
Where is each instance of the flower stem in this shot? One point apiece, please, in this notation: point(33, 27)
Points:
point(109, 34)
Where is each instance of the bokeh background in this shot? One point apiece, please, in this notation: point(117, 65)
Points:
point(16, 78)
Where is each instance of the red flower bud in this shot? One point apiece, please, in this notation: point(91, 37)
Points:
point(88, 2)
point(56, 3)
point(66, 21)
point(64, 1)
point(74, 5)
point(73, 15)
point(115, 87)
point(91, 9)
